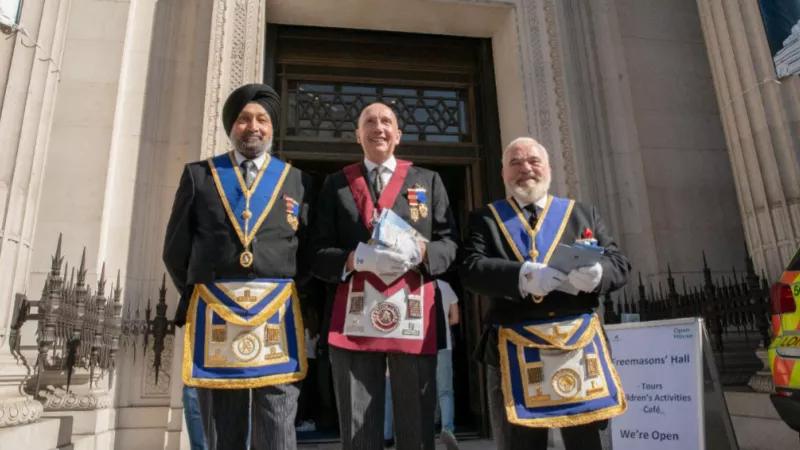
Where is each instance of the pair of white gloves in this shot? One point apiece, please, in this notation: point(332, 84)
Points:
point(397, 259)
point(539, 279)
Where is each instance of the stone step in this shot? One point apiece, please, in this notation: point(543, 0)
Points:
point(45, 434)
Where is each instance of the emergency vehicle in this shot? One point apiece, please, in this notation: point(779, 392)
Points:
point(784, 351)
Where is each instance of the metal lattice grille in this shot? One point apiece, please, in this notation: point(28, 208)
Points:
point(329, 111)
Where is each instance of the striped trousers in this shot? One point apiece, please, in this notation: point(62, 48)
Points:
point(273, 412)
point(359, 380)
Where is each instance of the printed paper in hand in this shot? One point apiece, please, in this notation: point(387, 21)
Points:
point(390, 227)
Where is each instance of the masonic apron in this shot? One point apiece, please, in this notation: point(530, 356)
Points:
point(245, 333)
point(372, 313)
point(555, 372)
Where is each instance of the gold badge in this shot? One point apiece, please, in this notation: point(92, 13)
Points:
point(219, 334)
point(292, 211)
point(385, 317)
point(246, 259)
point(535, 374)
point(416, 202)
point(246, 347)
point(566, 383)
point(592, 366)
point(272, 334)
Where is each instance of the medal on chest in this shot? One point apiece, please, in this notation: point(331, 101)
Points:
point(416, 202)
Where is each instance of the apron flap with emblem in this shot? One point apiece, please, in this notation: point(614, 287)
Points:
point(558, 373)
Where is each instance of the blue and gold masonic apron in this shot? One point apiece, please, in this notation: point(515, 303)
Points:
point(245, 333)
point(555, 372)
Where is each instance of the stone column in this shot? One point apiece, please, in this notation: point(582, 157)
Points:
point(760, 117)
point(29, 65)
point(235, 57)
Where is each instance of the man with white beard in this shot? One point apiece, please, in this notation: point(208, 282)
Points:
point(234, 247)
point(544, 350)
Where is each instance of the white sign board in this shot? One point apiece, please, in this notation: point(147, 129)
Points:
point(660, 365)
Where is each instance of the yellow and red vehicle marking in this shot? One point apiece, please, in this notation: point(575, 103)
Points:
point(786, 329)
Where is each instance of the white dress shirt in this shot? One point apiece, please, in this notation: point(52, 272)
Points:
point(259, 161)
point(389, 166)
point(540, 204)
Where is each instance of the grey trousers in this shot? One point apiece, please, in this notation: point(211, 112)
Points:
point(359, 380)
point(594, 436)
point(273, 412)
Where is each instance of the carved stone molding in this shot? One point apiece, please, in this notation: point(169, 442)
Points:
point(562, 107)
point(234, 59)
point(60, 400)
point(238, 42)
point(544, 81)
point(213, 105)
point(534, 75)
point(19, 412)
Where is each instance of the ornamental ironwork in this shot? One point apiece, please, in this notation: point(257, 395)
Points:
point(328, 111)
point(136, 329)
point(79, 329)
point(735, 308)
point(76, 327)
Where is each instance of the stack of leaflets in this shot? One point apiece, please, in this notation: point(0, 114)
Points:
point(390, 227)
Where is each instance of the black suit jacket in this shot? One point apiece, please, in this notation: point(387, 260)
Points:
point(201, 244)
point(337, 229)
point(489, 267)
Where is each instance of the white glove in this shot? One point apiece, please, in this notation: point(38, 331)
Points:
point(409, 248)
point(539, 279)
point(586, 279)
point(380, 261)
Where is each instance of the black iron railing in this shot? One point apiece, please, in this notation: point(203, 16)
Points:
point(735, 308)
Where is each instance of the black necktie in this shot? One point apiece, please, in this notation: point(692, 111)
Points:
point(378, 182)
point(533, 215)
point(247, 166)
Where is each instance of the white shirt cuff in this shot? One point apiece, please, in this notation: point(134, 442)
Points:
point(345, 273)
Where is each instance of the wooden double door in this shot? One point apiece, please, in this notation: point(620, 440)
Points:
point(442, 90)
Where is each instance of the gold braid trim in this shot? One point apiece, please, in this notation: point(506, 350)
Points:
point(242, 383)
point(562, 421)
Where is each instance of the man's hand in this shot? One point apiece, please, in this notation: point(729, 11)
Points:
point(586, 278)
point(411, 250)
point(380, 261)
point(539, 279)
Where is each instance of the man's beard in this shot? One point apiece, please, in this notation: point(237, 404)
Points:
point(530, 194)
point(252, 150)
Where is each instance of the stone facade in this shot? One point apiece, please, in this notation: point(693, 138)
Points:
point(636, 101)
point(761, 118)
